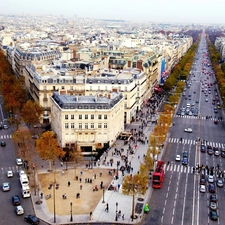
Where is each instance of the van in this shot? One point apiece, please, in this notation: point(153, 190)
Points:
point(188, 105)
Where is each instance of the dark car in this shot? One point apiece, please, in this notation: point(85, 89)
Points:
point(202, 181)
point(213, 215)
point(185, 154)
point(1, 126)
point(203, 148)
point(209, 147)
point(3, 144)
point(16, 200)
point(223, 154)
point(212, 188)
point(210, 151)
point(31, 219)
point(213, 198)
point(185, 161)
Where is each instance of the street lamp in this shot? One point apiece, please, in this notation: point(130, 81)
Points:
point(54, 200)
point(103, 195)
point(116, 210)
point(71, 212)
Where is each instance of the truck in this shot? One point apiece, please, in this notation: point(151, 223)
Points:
point(158, 175)
point(25, 189)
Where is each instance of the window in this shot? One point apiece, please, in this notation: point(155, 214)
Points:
point(72, 117)
point(99, 125)
point(44, 88)
point(86, 117)
point(105, 125)
point(105, 117)
point(92, 126)
point(63, 87)
point(72, 125)
point(66, 117)
point(80, 117)
point(66, 125)
point(92, 117)
point(80, 125)
point(99, 117)
point(71, 88)
point(86, 126)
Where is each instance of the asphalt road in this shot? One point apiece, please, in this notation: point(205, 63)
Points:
point(8, 157)
point(179, 201)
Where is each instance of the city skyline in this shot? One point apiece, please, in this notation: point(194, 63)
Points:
point(173, 11)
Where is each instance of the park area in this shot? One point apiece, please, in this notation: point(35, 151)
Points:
point(78, 189)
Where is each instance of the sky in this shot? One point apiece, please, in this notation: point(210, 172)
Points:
point(163, 11)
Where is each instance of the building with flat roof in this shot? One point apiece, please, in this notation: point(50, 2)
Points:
point(87, 120)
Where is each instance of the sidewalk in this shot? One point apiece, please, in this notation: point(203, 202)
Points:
point(115, 199)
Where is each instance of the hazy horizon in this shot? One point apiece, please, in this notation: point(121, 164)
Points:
point(173, 11)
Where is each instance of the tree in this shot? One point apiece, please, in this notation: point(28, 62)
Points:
point(148, 161)
point(48, 147)
point(135, 184)
point(31, 112)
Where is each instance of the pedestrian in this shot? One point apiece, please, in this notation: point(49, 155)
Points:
point(107, 207)
point(62, 172)
point(91, 217)
point(80, 180)
point(123, 217)
point(61, 163)
point(81, 187)
point(41, 195)
point(100, 174)
point(68, 183)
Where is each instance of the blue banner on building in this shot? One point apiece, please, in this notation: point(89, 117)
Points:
point(163, 72)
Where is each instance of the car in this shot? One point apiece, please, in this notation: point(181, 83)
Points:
point(206, 100)
point(177, 158)
point(213, 198)
point(216, 153)
point(188, 130)
point(3, 143)
point(32, 219)
point(182, 113)
point(213, 205)
point(21, 172)
point(5, 126)
point(209, 147)
point(190, 113)
point(15, 200)
point(223, 154)
point(202, 189)
point(5, 186)
point(19, 210)
point(185, 154)
point(213, 215)
point(202, 181)
point(197, 101)
point(210, 151)
point(219, 183)
point(185, 161)
point(179, 113)
point(212, 188)
point(203, 148)
point(215, 111)
point(219, 106)
point(210, 178)
point(9, 173)
point(215, 121)
point(19, 162)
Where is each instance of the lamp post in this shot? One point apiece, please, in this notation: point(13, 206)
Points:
point(54, 201)
point(116, 211)
point(103, 195)
point(71, 212)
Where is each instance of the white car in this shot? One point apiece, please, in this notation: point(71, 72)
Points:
point(177, 158)
point(189, 130)
point(202, 188)
point(21, 172)
point(19, 210)
point(10, 173)
point(210, 179)
point(19, 162)
point(5, 186)
point(5, 126)
point(219, 183)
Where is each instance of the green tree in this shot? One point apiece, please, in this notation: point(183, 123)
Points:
point(48, 147)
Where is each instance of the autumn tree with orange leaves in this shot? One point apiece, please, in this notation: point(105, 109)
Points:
point(48, 147)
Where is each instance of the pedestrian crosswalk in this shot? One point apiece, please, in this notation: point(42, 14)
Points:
point(196, 117)
point(3, 137)
point(193, 142)
point(14, 169)
point(178, 168)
